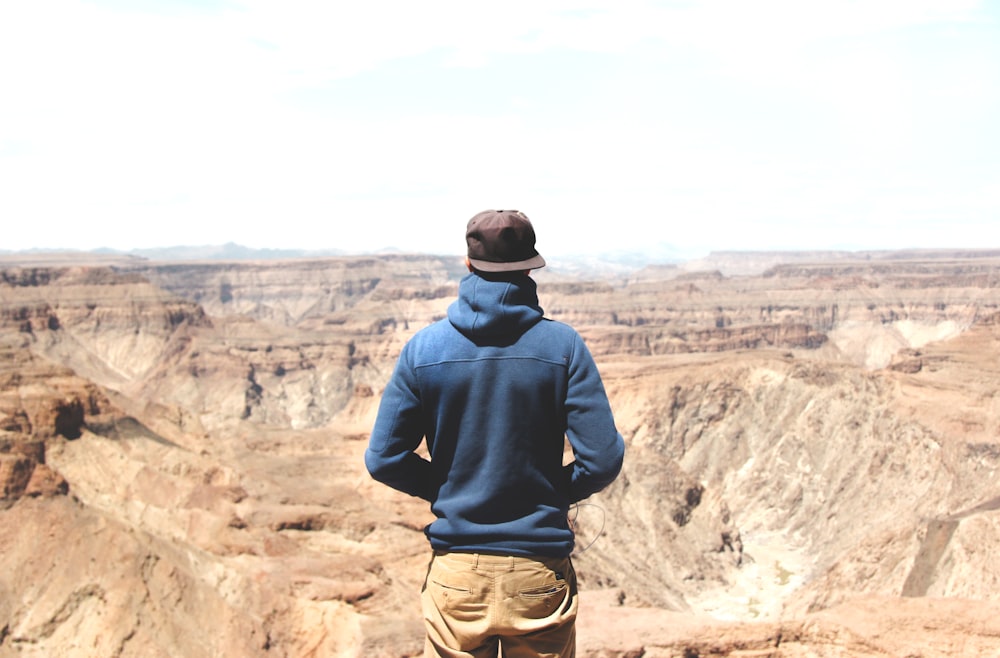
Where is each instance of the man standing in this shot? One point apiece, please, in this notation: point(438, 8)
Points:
point(495, 389)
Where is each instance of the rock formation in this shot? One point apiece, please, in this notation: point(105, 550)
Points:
point(812, 452)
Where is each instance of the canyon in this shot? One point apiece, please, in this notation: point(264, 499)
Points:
point(812, 440)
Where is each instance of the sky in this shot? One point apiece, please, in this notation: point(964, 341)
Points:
point(615, 125)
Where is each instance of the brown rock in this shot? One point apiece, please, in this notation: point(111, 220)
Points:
point(15, 473)
point(46, 483)
point(782, 487)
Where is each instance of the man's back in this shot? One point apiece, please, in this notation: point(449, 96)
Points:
point(499, 389)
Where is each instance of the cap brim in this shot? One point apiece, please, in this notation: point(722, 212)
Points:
point(488, 266)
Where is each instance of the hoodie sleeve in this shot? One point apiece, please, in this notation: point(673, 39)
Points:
point(398, 431)
point(597, 445)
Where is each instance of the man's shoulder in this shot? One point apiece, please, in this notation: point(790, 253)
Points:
point(436, 327)
point(433, 333)
point(556, 327)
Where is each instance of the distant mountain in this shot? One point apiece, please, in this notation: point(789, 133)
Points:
point(600, 265)
point(227, 251)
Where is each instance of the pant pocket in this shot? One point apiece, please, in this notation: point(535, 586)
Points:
point(543, 592)
point(456, 594)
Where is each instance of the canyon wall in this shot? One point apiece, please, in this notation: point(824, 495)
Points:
point(180, 454)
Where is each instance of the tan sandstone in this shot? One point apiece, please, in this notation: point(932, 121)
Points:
point(811, 467)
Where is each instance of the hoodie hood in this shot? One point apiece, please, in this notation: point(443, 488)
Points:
point(490, 309)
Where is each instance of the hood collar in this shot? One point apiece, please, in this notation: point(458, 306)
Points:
point(488, 308)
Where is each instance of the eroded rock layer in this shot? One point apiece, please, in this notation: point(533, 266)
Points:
point(811, 466)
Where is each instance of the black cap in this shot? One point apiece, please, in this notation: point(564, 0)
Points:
point(502, 241)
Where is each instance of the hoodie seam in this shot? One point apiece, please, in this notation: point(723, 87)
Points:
point(505, 357)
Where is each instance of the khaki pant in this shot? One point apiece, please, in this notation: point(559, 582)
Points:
point(476, 605)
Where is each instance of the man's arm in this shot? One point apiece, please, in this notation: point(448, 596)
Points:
point(597, 445)
point(398, 431)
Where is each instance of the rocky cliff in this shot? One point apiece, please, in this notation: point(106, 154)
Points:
point(811, 458)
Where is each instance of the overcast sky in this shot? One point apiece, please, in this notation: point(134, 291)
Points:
point(614, 124)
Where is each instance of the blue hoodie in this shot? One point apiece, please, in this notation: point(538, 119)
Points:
point(495, 389)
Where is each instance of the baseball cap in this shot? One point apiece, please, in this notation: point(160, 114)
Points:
point(502, 241)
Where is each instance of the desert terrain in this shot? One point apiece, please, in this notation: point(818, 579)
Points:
point(812, 440)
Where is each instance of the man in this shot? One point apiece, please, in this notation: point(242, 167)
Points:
point(495, 389)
